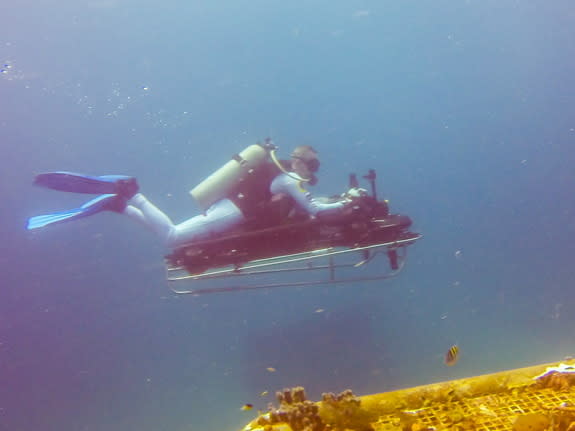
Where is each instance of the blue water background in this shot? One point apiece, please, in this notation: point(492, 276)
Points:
point(465, 108)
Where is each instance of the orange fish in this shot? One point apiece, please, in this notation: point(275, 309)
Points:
point(247, 407)
point(271, 369)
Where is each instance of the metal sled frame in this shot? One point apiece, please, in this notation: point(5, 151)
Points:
point(305, 263)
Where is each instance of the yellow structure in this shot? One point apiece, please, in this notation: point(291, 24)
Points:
point(538, 398)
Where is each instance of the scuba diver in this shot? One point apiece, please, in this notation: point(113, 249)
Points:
point(252, 187)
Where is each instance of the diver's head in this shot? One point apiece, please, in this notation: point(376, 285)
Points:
point(305, 162)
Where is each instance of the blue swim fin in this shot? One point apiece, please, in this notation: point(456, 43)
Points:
point(79, 183)
point(106, 202)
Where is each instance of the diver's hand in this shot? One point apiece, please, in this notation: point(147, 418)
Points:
point(358, 203)
point(354, 193)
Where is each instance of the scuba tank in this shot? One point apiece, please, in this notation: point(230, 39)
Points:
point(220, 183)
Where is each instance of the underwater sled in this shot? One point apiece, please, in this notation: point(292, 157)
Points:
point(298, 252)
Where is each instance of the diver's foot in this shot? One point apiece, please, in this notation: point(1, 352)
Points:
point(116, 203)
point(126, 188)
point(106, 202)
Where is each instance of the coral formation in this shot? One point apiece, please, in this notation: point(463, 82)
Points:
point(340, 412)
point(531, 422)
point(562, 418)
point(556, 379)
point(295, 410)
point(344, 412)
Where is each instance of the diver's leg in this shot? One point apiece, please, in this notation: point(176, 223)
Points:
point(142, 210)
point(220, 217)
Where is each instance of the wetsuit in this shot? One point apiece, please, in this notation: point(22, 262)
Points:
point(222, 216)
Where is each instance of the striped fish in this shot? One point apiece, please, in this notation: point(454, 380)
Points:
point(452, 355)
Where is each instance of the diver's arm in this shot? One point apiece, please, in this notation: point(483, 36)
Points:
point(289, 184)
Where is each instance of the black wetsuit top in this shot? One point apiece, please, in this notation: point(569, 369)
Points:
point(253, 197)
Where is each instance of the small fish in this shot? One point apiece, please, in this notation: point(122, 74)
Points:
point(271, 369)
point(319, 310)
point(264, 393)
point(247, 407)
point(452, 355)
point(487, 411)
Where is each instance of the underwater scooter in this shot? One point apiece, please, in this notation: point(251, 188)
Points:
point(298, 252)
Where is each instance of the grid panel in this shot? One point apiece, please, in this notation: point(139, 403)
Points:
point(495, 412)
